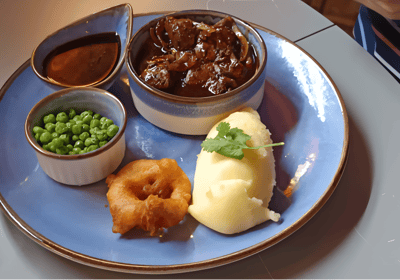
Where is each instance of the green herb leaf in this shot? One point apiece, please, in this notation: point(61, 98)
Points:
point(230, 142)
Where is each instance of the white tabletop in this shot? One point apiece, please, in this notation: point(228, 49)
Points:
point(354, 235)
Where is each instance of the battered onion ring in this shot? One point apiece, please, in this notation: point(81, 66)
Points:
point(148, 194)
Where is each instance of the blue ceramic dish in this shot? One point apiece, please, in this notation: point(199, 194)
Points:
point(301, 107)
point(116, 19)
point(195, 115)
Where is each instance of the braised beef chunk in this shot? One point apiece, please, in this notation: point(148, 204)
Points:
point(181, 32)
point(205, 51)
point(189, 58)
point(209, 75)
point(157, 76)
point(224, 40)
point(231, 67)
point(220, 85)
point(201, 74)
point(183, 61)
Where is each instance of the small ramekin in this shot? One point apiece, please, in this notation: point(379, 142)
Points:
point(85, 168)
point(195, 115)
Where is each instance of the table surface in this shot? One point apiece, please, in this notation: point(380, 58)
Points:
point(354, 235)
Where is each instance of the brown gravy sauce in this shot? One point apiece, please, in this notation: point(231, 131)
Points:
point(150, 50)
point(83, 61)
point(180, 88)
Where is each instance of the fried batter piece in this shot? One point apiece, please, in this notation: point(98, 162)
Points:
point(148, 194)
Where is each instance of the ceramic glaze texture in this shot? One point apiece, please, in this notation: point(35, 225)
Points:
point(86, 168)
point(297, 94)
point(84, 171)
point(117, 19)
point(195, 116)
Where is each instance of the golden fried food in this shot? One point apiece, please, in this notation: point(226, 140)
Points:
point(148, 194)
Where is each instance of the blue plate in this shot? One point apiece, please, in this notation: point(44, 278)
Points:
point(301, 107)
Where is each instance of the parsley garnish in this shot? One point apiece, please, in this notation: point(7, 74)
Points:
point(230, 142)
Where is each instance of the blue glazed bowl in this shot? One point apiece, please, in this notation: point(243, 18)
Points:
point(195, 115)
point(116, 19)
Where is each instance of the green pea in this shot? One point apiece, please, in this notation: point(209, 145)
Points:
point(62, 150)
point(91, 141)
point(55, 135)
point(57, 142)
point(92, 148)
point(101, 135)
point(62, 117)
point(65, 138)
point(85, 127)
point(94, 130)
point(45, 137)
point(61, 128)
point(102, 143)
point(72, 121)
point(103, 119)
point(94, 123)
point(97, 116)
point(87, 113)
point(112, 130)
point(50, 118)
point(79, 144)
point(38, 129)
point(104, 125)
point(69, 125)
point(77, 118)
point(86, 119)
point(50, 127)
point(81, 152)
point(46, 147)
point(84, 135)
point(109, 122)
point(76, 150)
point(88, 142)
point(75, 138)
point(37, 136)
point(72, 113)
point(76, 129)
point(70, 147)
point(52, 147)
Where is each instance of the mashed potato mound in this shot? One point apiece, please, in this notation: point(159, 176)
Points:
point(231, 195)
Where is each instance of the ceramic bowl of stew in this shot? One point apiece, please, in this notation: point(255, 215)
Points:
point(88, 52)
point(88, 167)
point(190, 69)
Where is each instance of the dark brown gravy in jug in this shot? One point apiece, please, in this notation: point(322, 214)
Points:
point(84, 61)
